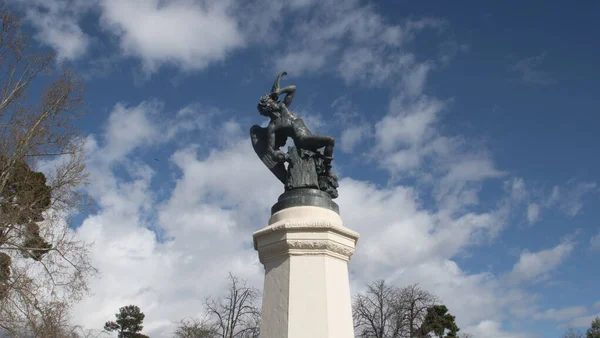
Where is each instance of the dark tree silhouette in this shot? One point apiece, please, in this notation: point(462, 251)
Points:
point(437, 321)
point(129, 322)
point(594, 330)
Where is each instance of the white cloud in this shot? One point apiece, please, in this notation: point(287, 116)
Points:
point(597, 305)
point(210, 179)
point(471, 297)
point(449, 49)
point(62, 35)
point(165, 255)
point(409, 144)
point(530, 72)
point(314, 121)
point(131, 127)
point(491, 329)
point(560, 315)
point(57, 25)
point(411, 244)
point(572, 195)
point(165, 252)
point(301, 61)
point(534, 266)
point(533, 213)
point(180, 32)
point(414, 26)
point(355, 41)
point(407, 124)
point(405, 160)
point(161, 275)
point(595, 242)
point(369, 65)
point(355, 128)
point(191, 35)
point(468, 170)
point(583, 321)
point(518, 190)
point(414, 80)
point(405, 235)
point(352, 136)
point(568, 198)
point(161, 254)
point(554, 196)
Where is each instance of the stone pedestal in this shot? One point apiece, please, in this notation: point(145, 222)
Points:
point(305, 251)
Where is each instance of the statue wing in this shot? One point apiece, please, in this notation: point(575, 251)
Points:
point(258, 135)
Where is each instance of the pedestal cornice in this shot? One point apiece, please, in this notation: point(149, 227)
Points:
point(303, 236)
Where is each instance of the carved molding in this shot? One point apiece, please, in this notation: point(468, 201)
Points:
point(309, 225)
point(305, 247)
point(329, 245)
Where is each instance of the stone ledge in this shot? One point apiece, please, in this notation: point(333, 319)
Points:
point(304, 248)
point(305, 237)
point(306, 224)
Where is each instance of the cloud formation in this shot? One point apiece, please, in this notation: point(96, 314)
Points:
point(159, 33)
point(157, 250)
point(536, 266)
point(560, 315)
point(57, 25)
point(167, 232)
point(492, 329)
point(530, 72)
point(595, 242)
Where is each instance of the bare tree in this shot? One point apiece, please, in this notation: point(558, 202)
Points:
point(386, 311)
point(52, 320)
point(42, 264)
point(376, 312)
point(572, 333)
point(81, 332)
point(237, 314)
point(193, 328)
point(413, 305)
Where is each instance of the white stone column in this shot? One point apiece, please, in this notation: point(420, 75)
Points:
point(305, 251)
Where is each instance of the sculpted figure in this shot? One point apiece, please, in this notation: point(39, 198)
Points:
point(283, 124)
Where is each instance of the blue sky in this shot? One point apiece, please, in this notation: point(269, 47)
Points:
point(465, 147)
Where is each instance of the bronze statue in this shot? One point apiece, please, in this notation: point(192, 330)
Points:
point(308, 166)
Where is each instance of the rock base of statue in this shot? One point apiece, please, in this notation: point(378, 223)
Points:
point(305, 250)
point(308, 169)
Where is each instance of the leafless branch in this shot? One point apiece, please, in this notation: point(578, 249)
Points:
point(235, 315)
point(41, 167)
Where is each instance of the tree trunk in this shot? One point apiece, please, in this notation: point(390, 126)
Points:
point(301, 171)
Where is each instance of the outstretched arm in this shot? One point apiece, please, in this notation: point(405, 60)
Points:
point(289, 91)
